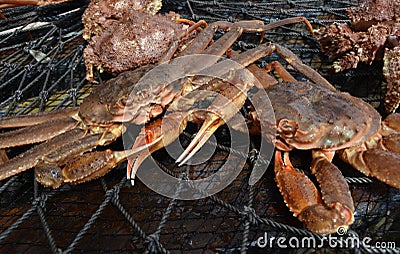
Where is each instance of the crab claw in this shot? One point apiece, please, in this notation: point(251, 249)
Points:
point(321, 212)
point(222, 109)
point(153, 137)
point(212, 123)
point(84, 168)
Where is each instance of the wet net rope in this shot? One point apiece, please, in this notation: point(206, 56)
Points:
point(42, 68)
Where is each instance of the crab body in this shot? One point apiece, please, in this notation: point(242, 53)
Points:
point(318, 118)
point(332, 121)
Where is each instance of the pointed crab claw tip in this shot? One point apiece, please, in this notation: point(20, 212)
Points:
point(205, 132)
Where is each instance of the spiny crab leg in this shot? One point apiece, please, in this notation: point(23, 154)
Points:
point(322, 212)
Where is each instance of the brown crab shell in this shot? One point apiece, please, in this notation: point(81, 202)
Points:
point(312, 117)
point(372, 12)
point(100, 12)
point(131, 42)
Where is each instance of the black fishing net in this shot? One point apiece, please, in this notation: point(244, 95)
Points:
point(42, 68)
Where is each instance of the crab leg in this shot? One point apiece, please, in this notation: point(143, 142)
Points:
point(390, 132)
point(37, 118)
point(379, 156)
point(168, 55)
point(12, 3)
point(36, 134)
point(32, 157)
point(297, 64)
point(87, 167)
point(322, 212)
point(381, 164)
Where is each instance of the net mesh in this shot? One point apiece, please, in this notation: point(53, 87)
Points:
point(42, 68)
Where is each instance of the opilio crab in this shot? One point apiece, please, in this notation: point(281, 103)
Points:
point(309, 115)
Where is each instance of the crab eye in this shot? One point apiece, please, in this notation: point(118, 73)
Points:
point(287, 128)
point(54, 173)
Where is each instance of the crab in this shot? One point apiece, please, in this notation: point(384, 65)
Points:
point(68, 135)
point(308, 116)
point(374, 31)
point(126, 34)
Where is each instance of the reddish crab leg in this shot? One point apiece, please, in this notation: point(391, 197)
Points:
point(37, 118)
point(319, 214)
point(33, 156)
point(380, 155)
point(86, 167)
point(35, 134)
point(151, 139)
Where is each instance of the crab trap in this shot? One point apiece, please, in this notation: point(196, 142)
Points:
point(42, 68)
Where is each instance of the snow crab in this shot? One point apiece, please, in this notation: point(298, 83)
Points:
point(126, 34)
point(308, 116)
point(64, 157)
point(373, 32)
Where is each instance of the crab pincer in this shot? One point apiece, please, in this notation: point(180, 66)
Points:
point(322, 212)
